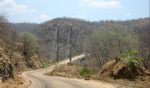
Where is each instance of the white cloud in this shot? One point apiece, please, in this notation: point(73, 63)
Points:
point(101, 3)
point(11, 7)
point(26, 14)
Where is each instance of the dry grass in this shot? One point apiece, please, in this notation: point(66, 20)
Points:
point(18, 82)
point(69, 71)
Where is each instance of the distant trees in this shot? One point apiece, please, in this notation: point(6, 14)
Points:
point(30, 43)
point(145, 45)
point(110, 41)
point(23, 27)
point(142, 28)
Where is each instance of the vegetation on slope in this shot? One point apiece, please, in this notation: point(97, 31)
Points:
point(103, 40)
point(12, 58)
point(112, 47)
point(137, 31)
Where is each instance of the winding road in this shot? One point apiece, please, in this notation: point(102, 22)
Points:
point(39, 80)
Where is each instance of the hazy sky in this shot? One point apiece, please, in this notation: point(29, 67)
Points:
point(94, 10)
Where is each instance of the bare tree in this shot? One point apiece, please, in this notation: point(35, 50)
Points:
point(111, 41)
point(7, 36)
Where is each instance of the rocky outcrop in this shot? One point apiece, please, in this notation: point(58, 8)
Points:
point(17, 63)
point(120, 70)
point(6, 68)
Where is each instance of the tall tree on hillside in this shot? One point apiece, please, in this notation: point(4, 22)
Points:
point(31, 44)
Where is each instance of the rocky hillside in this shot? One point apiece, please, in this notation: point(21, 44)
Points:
point(116, 71)
point(10, 66)
point(6, 68)
point(12, 59)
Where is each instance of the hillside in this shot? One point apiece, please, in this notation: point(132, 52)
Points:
point(47, 34)
point(12, 57)
point(82, 29)
point(102, 40)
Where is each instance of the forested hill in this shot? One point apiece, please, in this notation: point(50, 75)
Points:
point(23, 27)
point(80, 23)
point(86, 27)
point(137, 23)
point(82, 29)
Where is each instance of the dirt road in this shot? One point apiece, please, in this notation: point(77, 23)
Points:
point(39, 80)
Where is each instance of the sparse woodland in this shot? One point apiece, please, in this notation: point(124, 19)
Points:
point(117, 49)
point(103, 41)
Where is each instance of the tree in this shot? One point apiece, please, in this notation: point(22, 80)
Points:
point(110, 41)
point(31, 44)
point(8, 37)
point(3, 30)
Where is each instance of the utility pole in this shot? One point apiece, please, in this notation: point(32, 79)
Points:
point(70, 42)
point(57, 42)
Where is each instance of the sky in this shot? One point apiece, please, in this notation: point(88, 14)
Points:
point(38, 11)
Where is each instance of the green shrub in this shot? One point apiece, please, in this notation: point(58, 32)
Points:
point(31, 43)
point(85, 72)
point(45, 63)
point(130, 58)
